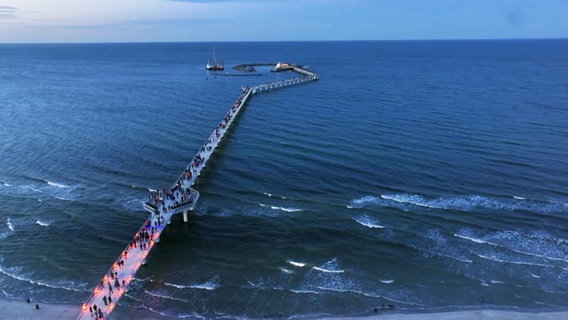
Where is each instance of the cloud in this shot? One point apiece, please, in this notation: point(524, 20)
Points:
point(7, 12)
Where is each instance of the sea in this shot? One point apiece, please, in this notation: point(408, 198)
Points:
point(413, 176)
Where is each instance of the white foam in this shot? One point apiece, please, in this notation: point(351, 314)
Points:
point(497, 282)
point(205, 286)
point(368, 222)
point(163, 296)
point(387, 281)
point(61, 198)
point(296, 264)
point(361, 202)
point(328, 270)
point(305, 291)
point(179, 286)
point(268, 194)
point(510, 236)
point(54, 286)
point(535, 276)
point(6, 184)
point(459, 202)
point(282, 208)
point(511, 261)
point(286, 270)
point(10, 225)
point(42, 223)
point(55, 184)
point(476, 240)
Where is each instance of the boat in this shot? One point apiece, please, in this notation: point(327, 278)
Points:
point(280, 66)
point(213, 65)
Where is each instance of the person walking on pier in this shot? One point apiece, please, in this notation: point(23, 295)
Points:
point(105, 300)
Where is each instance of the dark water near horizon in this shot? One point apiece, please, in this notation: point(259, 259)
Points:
point(427, 175)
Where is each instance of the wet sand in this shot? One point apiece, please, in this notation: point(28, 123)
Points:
point(20, 310)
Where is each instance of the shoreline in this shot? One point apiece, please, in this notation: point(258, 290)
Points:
point(16, 309)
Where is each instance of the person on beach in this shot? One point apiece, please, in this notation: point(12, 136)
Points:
point(37, 306)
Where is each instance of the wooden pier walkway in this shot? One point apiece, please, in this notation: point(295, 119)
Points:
point(163, 204)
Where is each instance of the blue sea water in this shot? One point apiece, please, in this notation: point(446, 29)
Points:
point(423, 174)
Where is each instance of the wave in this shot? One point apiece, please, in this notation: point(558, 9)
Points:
point(512, 261)
point(305, 291)
point(368, 294)
point(331, 266)
point(209, 285)
point(55, 184)
point(10, 225)
point(405, 201)
point(16, 273)
point(179, 286)
point(280, 208)
point(286, 270)
point(474, 239)
point(530, 245)
point(296, 264)
point(368, 222)
point(205, 286)
point(157, 295)
point(387, 281)
point(42, 223)
point(361, 202)
point(271, 195)
point(56, 286)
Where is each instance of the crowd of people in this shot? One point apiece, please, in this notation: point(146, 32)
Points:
point(163, 201)
point(118, 277)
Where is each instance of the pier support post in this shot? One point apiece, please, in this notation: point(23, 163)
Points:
point(185, 218)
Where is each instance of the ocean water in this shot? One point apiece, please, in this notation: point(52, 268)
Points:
point(423, 174)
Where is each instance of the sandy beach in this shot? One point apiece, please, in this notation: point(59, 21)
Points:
point(20, 310)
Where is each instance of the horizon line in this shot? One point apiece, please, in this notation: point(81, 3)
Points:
point(244, 41)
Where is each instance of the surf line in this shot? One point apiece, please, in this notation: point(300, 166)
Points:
point(163, 204)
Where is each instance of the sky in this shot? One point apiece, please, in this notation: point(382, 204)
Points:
point(61, 21)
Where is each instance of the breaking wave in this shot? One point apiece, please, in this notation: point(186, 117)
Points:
point(466, 203)
point(331, 266)
point(209, 285)
point(163, 296)
point(10, 225)
point(368, 222)
point(296, 264)
point(16, 272)
point(539, 245)
point(280, 208)
point(43, 223)
point(55, 184)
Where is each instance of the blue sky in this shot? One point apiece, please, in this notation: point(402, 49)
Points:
point(278, 20)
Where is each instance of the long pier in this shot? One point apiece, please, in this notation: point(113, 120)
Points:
point(163, 204)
